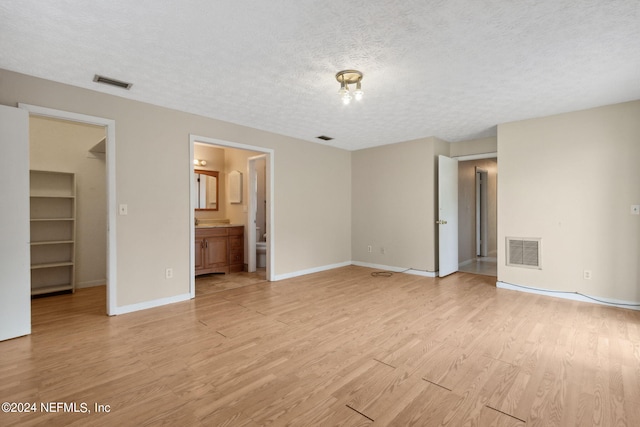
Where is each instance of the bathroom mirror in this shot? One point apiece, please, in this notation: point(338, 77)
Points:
point(206, 190)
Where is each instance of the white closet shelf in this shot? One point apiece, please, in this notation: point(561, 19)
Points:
point(51, 264)
point(53, 214)
point(52, 242)
point(50, 196)
point(51, 288)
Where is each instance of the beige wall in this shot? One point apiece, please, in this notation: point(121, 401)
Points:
point(467, 207)
point(312, 187)
point(570, 179)
point(474, 146)
point(63, 146)
point(394, 204)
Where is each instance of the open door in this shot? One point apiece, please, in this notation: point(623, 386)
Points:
point(447, 215)
point(15, 281)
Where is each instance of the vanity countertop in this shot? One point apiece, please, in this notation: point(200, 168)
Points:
point(218, 225)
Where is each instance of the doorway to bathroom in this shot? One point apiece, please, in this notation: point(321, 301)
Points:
point(238, 167)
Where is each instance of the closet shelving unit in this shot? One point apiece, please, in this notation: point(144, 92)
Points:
point(53, 231)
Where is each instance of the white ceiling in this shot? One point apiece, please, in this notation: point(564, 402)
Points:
point(453, 69)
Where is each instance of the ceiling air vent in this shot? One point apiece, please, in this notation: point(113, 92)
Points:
point(524, 252)
point(112, 82)
point(324, 138)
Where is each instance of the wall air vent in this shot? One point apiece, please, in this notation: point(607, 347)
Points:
point(112, 82)
point(524, 252)
point(324, 138)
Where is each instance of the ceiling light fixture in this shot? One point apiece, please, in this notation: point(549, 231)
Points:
point(198, 162)
point(346, 78)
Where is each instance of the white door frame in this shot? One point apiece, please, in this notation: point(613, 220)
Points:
point(253, 210)
point(270, 205)
point(110, 128)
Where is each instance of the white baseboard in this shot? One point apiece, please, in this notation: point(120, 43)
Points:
point(631, 305)
point(151, 304)
point(396, 269)
point(358, 263)
point(310, 270)
point(422, 273)
point(91, 283)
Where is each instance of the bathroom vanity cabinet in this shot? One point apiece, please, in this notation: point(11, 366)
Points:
point(219, 249)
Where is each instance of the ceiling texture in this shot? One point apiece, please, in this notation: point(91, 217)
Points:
point(452, 69)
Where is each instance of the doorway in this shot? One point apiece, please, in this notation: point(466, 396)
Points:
point(477, 216)
point(244, 205)
point(105, 149)
point(60, 149)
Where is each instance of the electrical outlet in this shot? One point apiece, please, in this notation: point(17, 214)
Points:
point(168, 273)
point(369, 249)
point(382, 250)
point(586, 274)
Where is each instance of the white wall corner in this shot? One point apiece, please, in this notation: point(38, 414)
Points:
point(310, 270)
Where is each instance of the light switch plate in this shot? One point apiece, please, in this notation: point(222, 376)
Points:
point(122, 209)
point(635, 209)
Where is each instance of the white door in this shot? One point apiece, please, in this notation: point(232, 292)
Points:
point(447, 215)
point(15, 280)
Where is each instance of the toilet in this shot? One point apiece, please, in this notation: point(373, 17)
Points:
point(261, 250)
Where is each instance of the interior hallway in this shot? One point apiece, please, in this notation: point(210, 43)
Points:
point(487, 266)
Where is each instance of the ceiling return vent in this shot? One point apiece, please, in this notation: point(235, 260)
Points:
point(112, 82)
point(324, 137)
point(524, 252)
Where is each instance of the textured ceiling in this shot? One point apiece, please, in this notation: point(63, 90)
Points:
point(447, 68)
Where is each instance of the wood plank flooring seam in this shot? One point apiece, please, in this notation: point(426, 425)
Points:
point(504, 413)
point(380, 361)
point(436, 384)
point(364, 415)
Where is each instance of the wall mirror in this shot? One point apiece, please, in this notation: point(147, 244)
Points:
point(206, 189)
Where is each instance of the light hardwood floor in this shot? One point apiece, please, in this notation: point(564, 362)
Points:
point(334, 348)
